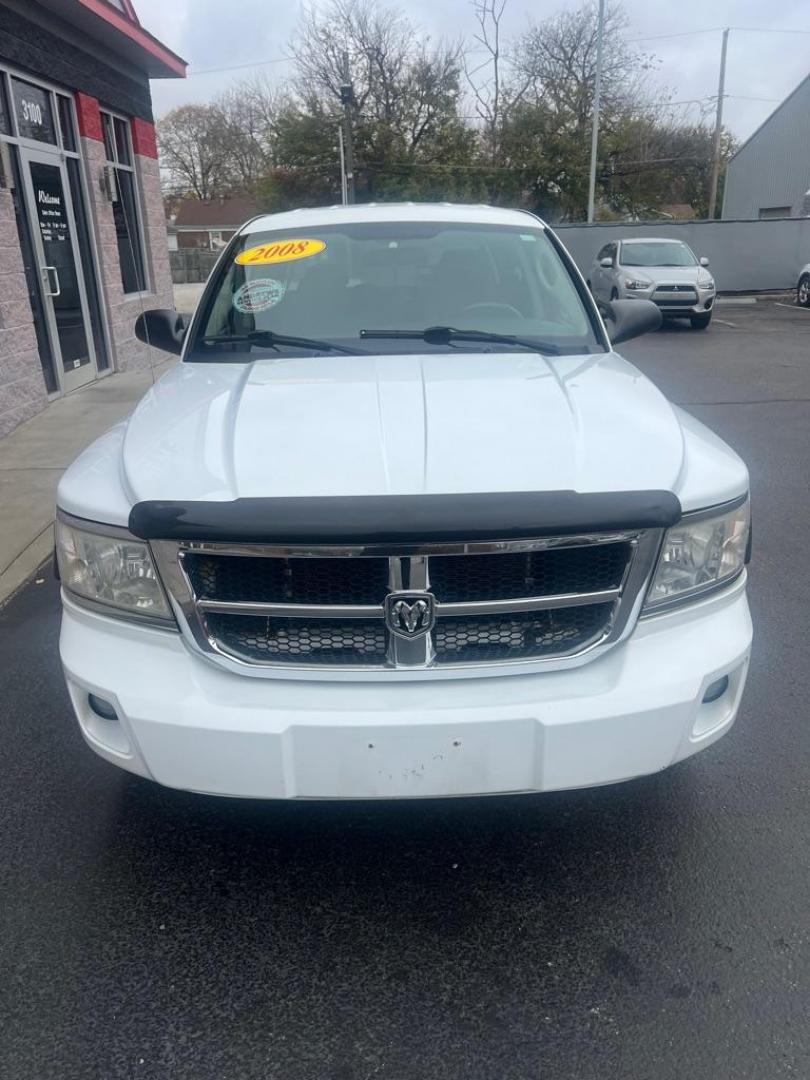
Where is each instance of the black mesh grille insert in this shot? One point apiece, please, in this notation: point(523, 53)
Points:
point(524, 636)
point(300, 641)
point(287, 581)
point(458, 578)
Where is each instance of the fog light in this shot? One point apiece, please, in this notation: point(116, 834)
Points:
point(716, 690)
point(106, 710)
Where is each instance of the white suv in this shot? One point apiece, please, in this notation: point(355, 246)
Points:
point(402, 523)
point(665, 271)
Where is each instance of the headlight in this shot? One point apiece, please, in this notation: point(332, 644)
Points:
point(706, 283)
point(700, 555)
point(637, 283)
point(112, 569)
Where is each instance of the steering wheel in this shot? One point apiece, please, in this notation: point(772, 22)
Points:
point(494, 308)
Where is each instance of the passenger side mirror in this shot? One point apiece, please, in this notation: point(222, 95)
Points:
point(703, 260)
point(625, 319)
point(162, 328)
point(606, 263)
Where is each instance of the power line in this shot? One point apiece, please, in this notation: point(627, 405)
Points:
point(241, 67)
point(767, 30)
point(717, 29)
point(682, 33)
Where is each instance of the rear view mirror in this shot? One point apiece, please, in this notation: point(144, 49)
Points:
point(162, 328)
point(625, 319)
point(607, 262)
point(703, 260)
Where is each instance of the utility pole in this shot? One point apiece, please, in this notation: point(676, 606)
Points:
point(344, 189)
point(718, 128)
point(348, 102)
point(597, 101)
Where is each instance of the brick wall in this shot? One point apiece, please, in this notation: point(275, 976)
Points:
point(22, 389)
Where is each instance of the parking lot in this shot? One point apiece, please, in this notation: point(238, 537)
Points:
point(656, 930)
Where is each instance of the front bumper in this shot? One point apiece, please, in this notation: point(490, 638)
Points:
point(188, 724)
point(674, 307)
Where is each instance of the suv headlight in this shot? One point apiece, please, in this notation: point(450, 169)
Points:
point(637, 283)
point(110, 568)
point(706, 283)
point(699, 555)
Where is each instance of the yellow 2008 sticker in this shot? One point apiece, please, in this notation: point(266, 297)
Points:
point(280, 251)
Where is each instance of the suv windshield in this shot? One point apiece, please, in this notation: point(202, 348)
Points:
point(659, 253)
point(334, 286)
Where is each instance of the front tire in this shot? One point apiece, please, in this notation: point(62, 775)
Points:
point(803, 291)
point(700, 322)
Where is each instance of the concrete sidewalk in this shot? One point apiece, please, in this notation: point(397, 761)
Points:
point(33, 458)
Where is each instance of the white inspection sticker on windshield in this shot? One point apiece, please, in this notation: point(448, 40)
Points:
point(258, 295)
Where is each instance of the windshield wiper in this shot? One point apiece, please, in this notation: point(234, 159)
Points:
point(446, 335)
point(271, 339)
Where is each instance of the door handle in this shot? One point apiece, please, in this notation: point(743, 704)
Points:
point(47, 271)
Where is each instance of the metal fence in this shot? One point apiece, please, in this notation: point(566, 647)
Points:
point(191, 265)
point(745, 256)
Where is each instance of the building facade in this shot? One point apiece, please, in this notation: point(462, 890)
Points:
point(769, 176)
point(83, 246)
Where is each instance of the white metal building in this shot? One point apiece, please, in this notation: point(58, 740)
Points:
point(769, 176)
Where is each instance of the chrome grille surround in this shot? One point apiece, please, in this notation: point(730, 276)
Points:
point(409, 569)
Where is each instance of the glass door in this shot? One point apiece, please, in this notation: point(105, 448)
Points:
point(64, 297)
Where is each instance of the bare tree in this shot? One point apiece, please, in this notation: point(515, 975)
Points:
point(194, 150)
point(497, 86)
point(404, 86)
point(557, 58)
point(250, 112)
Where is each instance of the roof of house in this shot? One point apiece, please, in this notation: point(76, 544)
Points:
point(216, 214)
point(115, 25)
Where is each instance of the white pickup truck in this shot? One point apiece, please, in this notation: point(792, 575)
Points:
point(402, 523)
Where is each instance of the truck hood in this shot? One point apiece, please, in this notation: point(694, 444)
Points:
point(437, 423)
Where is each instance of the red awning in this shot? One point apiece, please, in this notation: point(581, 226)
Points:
point(120, 32)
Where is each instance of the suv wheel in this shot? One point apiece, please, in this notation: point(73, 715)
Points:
point(803, 291)
point(700, 322)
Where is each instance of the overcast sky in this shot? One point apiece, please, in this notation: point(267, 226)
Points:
point(761, 64)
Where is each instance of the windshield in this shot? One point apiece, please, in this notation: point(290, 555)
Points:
point(329, 284)
point(659, 253)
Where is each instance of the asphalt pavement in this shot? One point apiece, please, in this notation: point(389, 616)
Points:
point(654, 930)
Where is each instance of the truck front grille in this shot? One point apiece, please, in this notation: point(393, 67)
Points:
point(489, 603)
point(525, 635)
point(257, 638)
point(288, 581)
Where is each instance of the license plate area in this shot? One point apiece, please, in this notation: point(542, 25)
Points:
point(413, 761)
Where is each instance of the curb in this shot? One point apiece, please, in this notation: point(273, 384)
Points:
point(24, 565)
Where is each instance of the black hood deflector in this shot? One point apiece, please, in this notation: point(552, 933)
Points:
point(405, 519)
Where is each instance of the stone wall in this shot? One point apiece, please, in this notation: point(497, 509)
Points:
point(22, 388)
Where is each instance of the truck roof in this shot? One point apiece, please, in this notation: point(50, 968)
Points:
point(407, 211)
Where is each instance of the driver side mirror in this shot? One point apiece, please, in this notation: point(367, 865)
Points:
point(606, 263)
point(625, 319)
point(162, 328)
point(703, 260)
